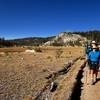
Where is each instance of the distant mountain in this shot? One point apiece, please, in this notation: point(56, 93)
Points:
point(75, 38)
point(62, 39)
point(66, 39)
point(32, 41)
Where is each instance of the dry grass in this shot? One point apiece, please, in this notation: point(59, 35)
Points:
point(12, 49)
point(22, 75)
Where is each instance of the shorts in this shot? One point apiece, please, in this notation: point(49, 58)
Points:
point(89, 62)
point(94, 67)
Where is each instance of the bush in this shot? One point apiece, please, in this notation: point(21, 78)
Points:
point(59, 53)
point(38, 49)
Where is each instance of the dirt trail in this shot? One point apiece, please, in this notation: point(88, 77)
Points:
point(90, 92)
point(67, 84)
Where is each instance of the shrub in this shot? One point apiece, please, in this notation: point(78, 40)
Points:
point(59, 53)
point(38, 49)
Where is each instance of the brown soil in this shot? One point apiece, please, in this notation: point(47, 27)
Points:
point(90, 92)
point(67, 84)
point(23, 75)
point(13, 49)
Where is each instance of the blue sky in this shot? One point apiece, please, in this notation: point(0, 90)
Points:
point(42, 18)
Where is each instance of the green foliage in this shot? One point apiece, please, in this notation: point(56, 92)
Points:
point(77, 43)
point(32, 41)
point(6, 43)
point(58, 43)
point(71, 43)
point(90, 35)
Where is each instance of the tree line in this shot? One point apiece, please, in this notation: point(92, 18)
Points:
point(90, 35)
point(6, 43)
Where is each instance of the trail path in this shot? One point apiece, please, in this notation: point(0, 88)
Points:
point(90, 92)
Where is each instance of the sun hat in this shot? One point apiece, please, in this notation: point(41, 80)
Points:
point(93, 42)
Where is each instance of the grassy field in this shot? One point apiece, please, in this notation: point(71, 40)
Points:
point(13, 49)
point(23, 75)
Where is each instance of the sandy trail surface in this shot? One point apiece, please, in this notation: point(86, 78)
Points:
point(90, 92)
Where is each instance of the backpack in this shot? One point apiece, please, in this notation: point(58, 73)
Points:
point(88, 50)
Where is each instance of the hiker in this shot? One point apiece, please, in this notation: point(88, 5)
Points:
point(94, 57)
point(88, 49)
point(93, 43)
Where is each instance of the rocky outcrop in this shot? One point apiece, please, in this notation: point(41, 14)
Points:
point(66, 39)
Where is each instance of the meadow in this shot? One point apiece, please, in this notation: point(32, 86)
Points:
point(23, 75)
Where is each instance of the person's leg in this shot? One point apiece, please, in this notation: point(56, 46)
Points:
point(89, 67)
point(92, 76)
point(89, 73)
point(95, 74)
point(97, 69)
